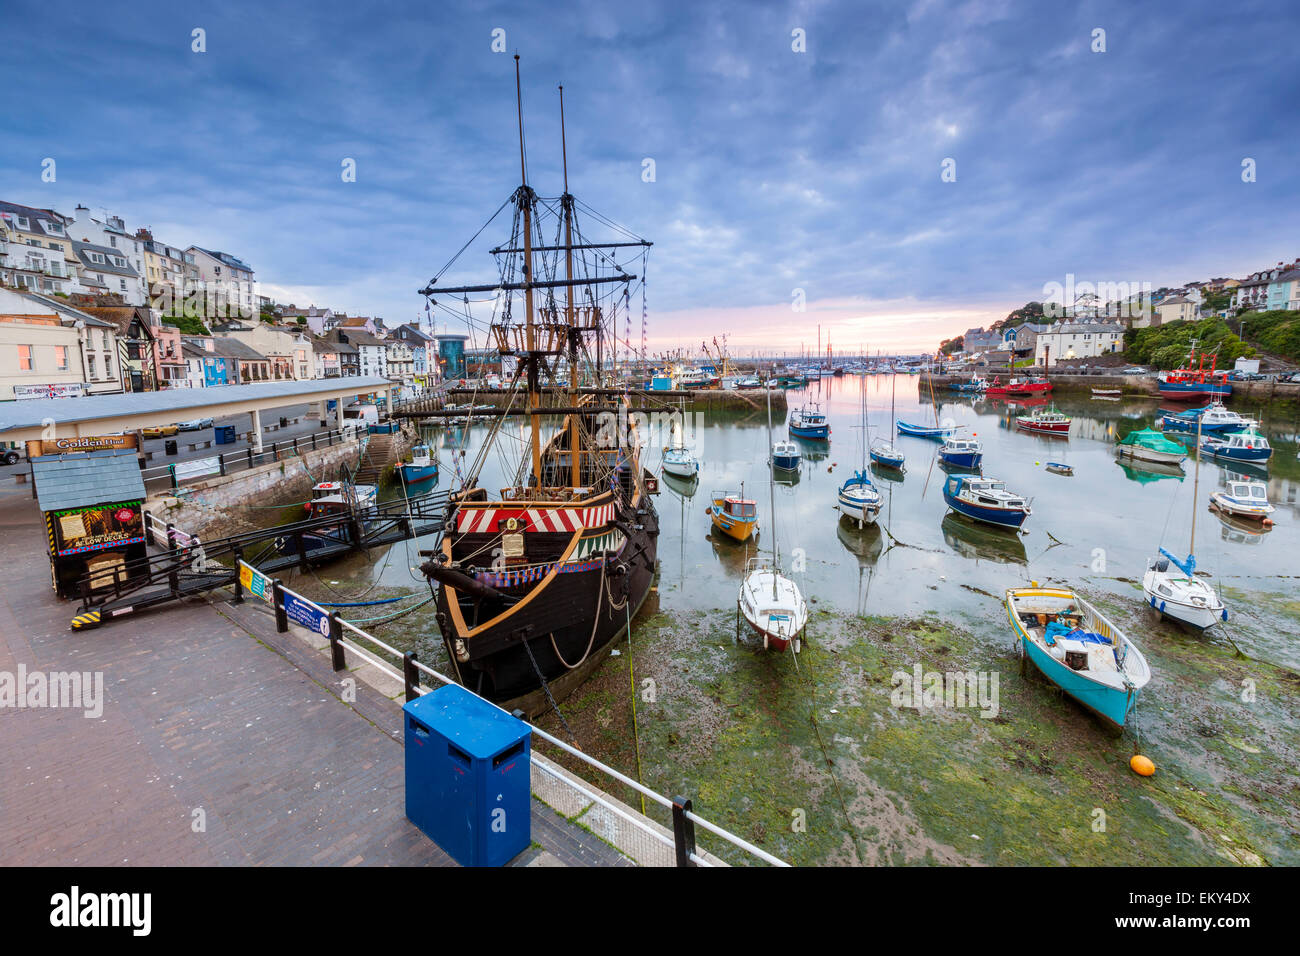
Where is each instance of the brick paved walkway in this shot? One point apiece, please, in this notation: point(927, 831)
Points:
point(201, 715)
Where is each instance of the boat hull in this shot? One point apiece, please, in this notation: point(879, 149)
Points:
point(1193, 615)
point(414, 474)
point(963, 459)
point(1138, 453)
point(785, 462)
point(1110, 704)
point(1043, 428)
point(680, 469)
point(1001, 517)
point(888, 461)
point(562, 628)
point(1253, 456)
point(1193, 391)
point(733, 527)
point(921, 431)
point(814, 432)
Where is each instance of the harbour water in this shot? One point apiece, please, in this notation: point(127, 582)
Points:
point(763, 737)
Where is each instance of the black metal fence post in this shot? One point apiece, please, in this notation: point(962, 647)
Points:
point(171, 536)
point(171, 469)
point(249, 452)
point(277, 596)
point(221, 463)
point(410, 676)
point(683, 831)
point(239, 581)
point(336, 642)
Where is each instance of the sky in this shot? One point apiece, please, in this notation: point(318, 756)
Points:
point(799, 149)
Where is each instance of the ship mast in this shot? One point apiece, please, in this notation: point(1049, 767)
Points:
point(566, 201)
point(526, 205)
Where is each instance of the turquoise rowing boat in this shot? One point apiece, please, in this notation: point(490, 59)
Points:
point(1078, 650)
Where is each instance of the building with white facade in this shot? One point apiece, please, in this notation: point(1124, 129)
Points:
point(229, 279)
point(1072, 340)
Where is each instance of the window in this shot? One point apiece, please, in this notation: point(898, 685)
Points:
point(90, 366)
point(23, 222)
point(61, 357)
point(25, 358)
point(112, 241)
point(55, 245)
point(53, 228)
point(108, 364)
point(122, 283)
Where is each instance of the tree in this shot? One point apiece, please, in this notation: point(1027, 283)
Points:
point(948, 346)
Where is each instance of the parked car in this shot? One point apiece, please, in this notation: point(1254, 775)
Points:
point(10, 456)
point(195, 424)
point(161, 431)
point(1134, 370)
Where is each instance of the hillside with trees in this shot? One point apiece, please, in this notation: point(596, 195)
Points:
point(1166, 346)
point(1277, 332)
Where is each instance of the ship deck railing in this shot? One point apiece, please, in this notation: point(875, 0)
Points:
point(655, 844)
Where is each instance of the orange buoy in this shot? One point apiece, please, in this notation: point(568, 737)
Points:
point(1142, 766)
point(1268, 522)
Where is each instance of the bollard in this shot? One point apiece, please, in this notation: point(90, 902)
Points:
point(683, 831)
point(277, 596)
point(411, 676)
point(239, 581)
point(221, 463)
point(336, 642)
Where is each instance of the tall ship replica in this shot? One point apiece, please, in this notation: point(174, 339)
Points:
point(534, 582)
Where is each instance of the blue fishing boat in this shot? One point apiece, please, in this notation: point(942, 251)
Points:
point(886, 455)
point(1249, 446)
point(809, 422)
point(422, 469)
point(1078, 650)
point(985, 499)
point(962, 453)
point(1212, 418)
point(785, 456)
point(921, 431)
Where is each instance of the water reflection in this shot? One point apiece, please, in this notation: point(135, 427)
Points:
point(1145, 472)
point(977, 541)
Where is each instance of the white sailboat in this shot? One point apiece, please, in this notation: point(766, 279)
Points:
point(678, 460)
point(858, 497)
point(883, 451)
point(769, 601)
point(1171, 585)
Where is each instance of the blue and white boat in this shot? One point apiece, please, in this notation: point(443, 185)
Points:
point(1248, 446)
point(1078, 650)
point(921, 431)
point(680, 463)
point(1214, 418)
point(809, 422)
point(985, 499)
point(785, 455)
point(859, 499)
point(962, 453)
point(1243, 498)
point(883, 453)
point(422, 469)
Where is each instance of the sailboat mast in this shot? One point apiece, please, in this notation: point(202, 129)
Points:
point(771, 487)
point(1196, 484)
point(566, 201)
point(525, 201)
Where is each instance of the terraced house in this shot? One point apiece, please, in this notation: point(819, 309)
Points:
point(103, 270)
point(230, 278)
point(1071, 340)
point(121, 248)
point(35, 251)
point(47, 345)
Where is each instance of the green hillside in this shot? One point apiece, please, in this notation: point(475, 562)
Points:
point(1166, 346)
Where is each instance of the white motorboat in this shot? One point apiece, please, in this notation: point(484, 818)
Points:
point(1244, 498)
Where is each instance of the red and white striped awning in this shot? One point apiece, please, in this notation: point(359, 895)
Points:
point(491, 519)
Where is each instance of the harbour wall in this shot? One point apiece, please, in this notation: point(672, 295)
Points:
point(1136, 386)
point(218, 506)
point(700, 400)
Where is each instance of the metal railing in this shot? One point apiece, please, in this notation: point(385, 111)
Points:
point(161, 477)
point(682, 843)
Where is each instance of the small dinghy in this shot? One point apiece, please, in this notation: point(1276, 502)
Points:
point(1078, 650)
point(1243, 499)
point(1059, 468)
point(921, 431)
point(422, 468)
point(734, 515)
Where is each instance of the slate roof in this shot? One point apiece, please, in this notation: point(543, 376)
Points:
point(88, 478)
point(32, 214)
point(233, 348)
point(226, 258)
point(83, 249)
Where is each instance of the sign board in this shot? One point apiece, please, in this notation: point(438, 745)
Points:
point(69, 390)
point(308, 615)
point(80, 530)
point(255, 582)
point(196, 468)
point(64, 446)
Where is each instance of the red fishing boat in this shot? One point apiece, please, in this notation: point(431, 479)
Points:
point(1195, 384)
point(1019, 386)
point(1046, 421)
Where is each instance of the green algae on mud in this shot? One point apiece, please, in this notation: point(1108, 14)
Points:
point(812, 761)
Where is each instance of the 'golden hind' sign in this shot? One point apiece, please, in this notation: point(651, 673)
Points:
point(63, 446)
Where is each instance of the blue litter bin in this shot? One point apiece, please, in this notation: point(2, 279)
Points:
point(468, 767)
point(224, 434)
